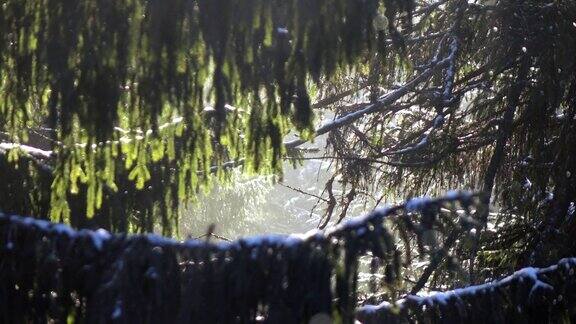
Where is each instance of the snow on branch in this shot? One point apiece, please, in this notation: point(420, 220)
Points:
point(51, 271)
point(36, 152)
point(358, 225)
point(535, 295)
point(382, 103)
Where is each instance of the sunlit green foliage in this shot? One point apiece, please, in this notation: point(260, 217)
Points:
point(148, 94)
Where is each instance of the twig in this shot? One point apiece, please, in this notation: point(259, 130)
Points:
point(435, 261)
point(212, 235)
point(359, 158)
point(499, 151)
point(303, 192)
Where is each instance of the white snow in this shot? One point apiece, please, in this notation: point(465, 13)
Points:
point(156, 239)
point(527, 184)
point(416, 204)
point(571, 209)
point(99, 237)
point(442, 297)
point(375, 308)
point(117, 311)
point(453, 194)
point(63, 229)
point(26, 149)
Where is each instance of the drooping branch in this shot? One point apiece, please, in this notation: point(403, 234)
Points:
point(38, 156)
point(545, 295)
point(504, 133)
point(505, 128)
point(382, 103)
point(35, 152)
point(96, 276)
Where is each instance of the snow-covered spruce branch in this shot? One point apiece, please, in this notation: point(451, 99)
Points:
point(537, 295)
point(382, 103)
point(32, 151)
point(363, 159)
point(445, 99)
point(359, 225)
point(35, 155)
point(173, 281)
point(365, 110)
point(128, 135)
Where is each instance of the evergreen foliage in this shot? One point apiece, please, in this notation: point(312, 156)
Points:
point(530, 295)
point(114, 112)
point(53, 273)
point(149, 95)
point(487, 104)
